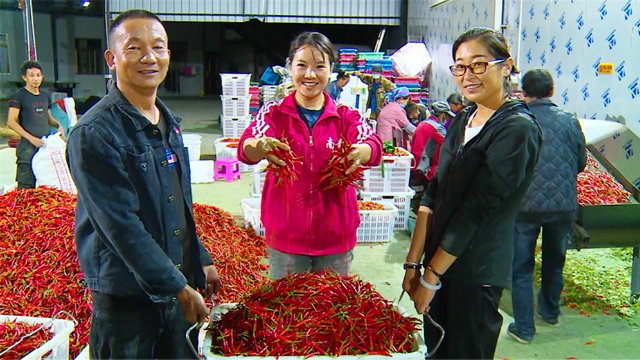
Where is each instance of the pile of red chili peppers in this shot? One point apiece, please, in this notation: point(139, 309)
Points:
point(12, 331)
point(334, 174)
point(233, 145)
point(397, 152)
point(288, 173)
point(237, 252)
point(370, 205)
point(40, 274)
point(597, 187)
point(229, 140)
point(314, 314)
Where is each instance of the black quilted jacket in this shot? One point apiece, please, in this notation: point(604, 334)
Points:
point(552, 195)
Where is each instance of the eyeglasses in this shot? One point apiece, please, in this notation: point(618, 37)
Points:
point(476, 68)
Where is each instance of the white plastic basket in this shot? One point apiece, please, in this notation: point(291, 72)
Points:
point(222, 151)
point(201, 171)
point(397, 171)
point(193, 142)
point(419, 347)
point(377, 225)
point(234, 126)
point(402, 201)
point(235, 84)
point(259, 175)
point(251, 214)
point(58, 345)
point(235, 106)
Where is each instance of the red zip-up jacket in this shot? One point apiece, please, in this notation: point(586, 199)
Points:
point(302, 219)
point(424, 132)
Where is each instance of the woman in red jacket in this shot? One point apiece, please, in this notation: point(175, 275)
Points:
point(308, 229)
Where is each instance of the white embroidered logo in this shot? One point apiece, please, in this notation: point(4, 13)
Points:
point(330, 143)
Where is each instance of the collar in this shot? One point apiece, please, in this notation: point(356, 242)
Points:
point(289, 106)
point(541, 102)
point(138, 120)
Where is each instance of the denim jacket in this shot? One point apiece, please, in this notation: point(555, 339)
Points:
point(125, 233)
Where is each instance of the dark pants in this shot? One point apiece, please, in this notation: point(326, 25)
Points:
point(470, 318)
point(281, 264)
point(24, 173)
point(554, 248)
point(126, 329)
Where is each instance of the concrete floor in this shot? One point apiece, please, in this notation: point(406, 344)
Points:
point(381, 264)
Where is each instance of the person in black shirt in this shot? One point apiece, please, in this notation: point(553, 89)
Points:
point(30, 117)
point(464, 229)
point(135, 233)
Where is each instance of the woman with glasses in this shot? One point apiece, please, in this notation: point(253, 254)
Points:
point(464, 230)
point(308, 228)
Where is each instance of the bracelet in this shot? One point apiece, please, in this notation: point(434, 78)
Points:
point(430, 268)
point(425, 284)
point(410, 265)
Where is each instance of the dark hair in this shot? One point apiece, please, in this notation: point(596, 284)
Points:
point(127, 15)
point(537, 83)
point(314, 40)
point(495, 43)
point(342, 75)
point(30, 64)
point(455, 98)
point(411, 107)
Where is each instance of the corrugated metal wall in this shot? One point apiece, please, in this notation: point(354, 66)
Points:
point(367, 12)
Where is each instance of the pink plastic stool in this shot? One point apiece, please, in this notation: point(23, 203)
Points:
point(227, 168)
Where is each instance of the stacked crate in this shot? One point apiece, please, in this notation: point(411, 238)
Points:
point(254, 103)
point(347, 59)
point(236, 106)
point(268, 93)
point(413, 84)
point(390, 182)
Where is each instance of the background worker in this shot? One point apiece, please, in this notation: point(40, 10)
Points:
point(30, 116)
point(336, 86)
point(393, 116)
point(379, 86)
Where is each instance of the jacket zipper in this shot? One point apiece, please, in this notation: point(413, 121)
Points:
point(310, 183)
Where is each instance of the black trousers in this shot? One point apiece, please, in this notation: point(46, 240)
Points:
point(470, 318)
point(124, 328)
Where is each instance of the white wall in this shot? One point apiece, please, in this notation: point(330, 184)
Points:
point(439, 27)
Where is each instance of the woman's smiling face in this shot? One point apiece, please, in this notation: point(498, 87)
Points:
point(310, 72)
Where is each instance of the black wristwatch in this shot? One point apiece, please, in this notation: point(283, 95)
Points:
point(414, 266)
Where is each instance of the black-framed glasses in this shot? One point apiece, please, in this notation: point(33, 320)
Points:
point(476, 68)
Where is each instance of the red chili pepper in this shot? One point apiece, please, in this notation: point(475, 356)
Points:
point(334, 174)
point(370, 205)
point(314, 314)
point(12, 331)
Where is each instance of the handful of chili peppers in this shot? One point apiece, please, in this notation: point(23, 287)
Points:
point(370, 205)
point(12, 331)
point(597, 187)
point(285, 174)
point(334, 175)
point(314, 314)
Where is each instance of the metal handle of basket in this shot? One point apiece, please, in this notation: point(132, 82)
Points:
point(48, 323)
point(197, 325)
point(434, 323)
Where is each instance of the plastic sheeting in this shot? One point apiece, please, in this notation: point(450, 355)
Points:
point(411, 60)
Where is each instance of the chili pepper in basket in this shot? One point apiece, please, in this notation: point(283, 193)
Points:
point(13, 331)
point(370, 205)
point(232, 145)
point(229, 140)
point(597, 187)
point(313, 314)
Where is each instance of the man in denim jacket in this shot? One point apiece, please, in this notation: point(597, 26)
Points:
point(135, 233)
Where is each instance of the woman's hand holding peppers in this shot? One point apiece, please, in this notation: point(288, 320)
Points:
point(360, 154)
point(267, 144)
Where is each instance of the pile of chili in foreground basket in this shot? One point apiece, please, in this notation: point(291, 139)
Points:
point(314, 314)
point(40, 274)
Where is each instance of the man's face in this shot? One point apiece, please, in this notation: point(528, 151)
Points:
point(343, 82)
point(376, 75)
point(33, 77)
point(140, 56)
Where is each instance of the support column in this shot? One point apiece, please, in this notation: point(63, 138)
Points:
point(29, 31)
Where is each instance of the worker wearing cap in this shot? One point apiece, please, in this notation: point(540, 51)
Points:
point(441, 115)
point(378, 87)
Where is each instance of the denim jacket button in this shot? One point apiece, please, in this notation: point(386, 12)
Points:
point(156, 132)
point(170, 198)
point(178, 266)
point(163, 163)
point(176, 233)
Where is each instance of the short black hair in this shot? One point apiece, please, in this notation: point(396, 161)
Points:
point(455, 99)
point(410, 107)
point(537, 83)
point(127, 15)
point(342, 75)
point(30, 64)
